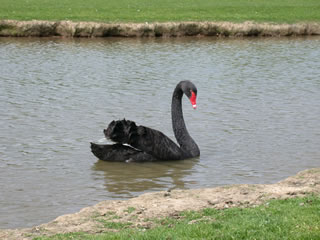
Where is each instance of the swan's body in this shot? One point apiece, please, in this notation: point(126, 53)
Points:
point(148, 144)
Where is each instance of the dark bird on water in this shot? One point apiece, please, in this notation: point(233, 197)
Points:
point(140, 144)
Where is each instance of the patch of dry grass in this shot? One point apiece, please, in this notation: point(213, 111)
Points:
point(170, 29)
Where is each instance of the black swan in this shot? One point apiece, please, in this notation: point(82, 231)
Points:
point(146, 144)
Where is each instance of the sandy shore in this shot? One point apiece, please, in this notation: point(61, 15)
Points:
point(138, 211)
point(12, 28)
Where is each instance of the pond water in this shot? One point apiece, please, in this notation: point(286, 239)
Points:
point(257, 119)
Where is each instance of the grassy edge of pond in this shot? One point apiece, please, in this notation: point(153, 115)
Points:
point(35, 28)
point(296, 218)
point(140, 11)
point(247, 211)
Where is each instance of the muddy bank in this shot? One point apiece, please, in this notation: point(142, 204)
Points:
point(12, 28)
point(140, 211)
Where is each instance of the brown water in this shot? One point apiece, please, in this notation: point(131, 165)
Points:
point(257, 119)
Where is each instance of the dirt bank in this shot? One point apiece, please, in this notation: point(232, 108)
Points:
point(138, 211)
point(12, 28)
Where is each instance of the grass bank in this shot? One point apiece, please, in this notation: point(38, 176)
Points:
point(286, 11)
point(35, 28)
point(297, 218)
point(289, 209)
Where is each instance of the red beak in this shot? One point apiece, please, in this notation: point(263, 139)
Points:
point(193, 100)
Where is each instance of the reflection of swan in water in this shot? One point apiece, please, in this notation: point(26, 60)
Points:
point(133, 179)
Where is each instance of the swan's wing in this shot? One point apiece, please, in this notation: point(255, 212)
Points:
point(143, 138)
point(119, 153)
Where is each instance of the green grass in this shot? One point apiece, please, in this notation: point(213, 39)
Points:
point(130, 210)
point(162, 10)
point(294, 219)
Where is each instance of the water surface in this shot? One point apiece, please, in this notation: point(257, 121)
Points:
point(257, 119)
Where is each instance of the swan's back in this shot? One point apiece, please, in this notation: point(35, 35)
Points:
point(145, 139)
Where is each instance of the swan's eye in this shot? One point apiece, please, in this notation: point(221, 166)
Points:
point(193, 92)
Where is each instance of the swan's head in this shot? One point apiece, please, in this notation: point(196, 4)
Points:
point(190, 90)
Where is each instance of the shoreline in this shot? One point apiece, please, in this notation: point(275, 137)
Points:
point(69, 29)
point(139, 210)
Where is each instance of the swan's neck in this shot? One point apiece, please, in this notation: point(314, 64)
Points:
point(187, 144)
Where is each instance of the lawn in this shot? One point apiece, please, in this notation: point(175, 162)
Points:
point(288, 11)
point(297, 218)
